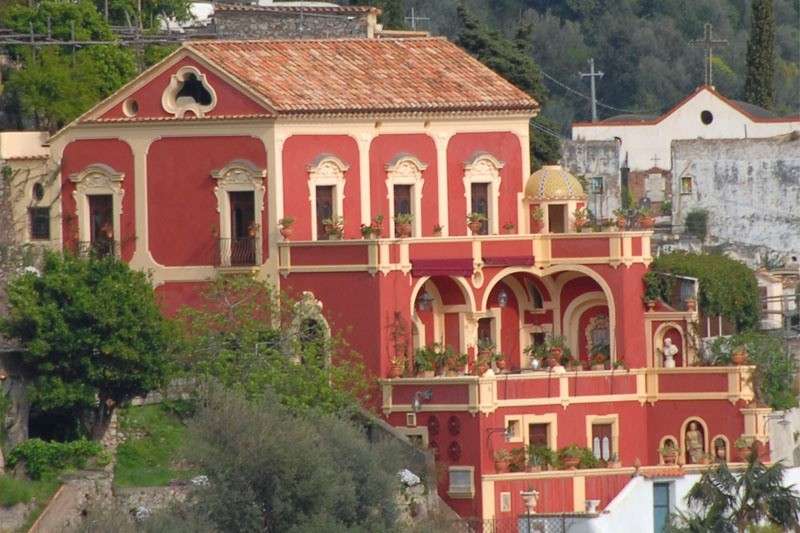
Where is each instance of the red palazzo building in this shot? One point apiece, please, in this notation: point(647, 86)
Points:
point(186, 171)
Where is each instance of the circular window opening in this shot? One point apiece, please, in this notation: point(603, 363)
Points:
point(130, 107)
point(38, 192)
point(706, 117)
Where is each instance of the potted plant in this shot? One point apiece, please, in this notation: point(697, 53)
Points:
point(621, 219)
point(397, 367)
point(600, 352)
point(517, 459)
point(455, 363)
point(537, 219)
point(366, 231)
point(646, 218)
point(557, 351)
point(654, 287)
point(570, 456)
point(540, 458)
point(475, 222)
point(377, 226)
point(334, 227)
point(437, 230)
point(669, 452)
point(402, 224)
point(485, 347)
point(573, 364)
point(286, 224)
point(620, 363)
point(508, 227)
point(501, 459)
point(580, 219)
point(424, 362)
point(739, 355)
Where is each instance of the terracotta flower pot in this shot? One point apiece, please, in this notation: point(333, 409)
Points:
point(536, 226)
point(579, 224)
point(481, 369)
point(556, 352)
point(404, 230)
point(376, 230)
point(621, 223)
point(501, 364)
point(670, 458)
point(647, 222)
point(475, 227)
point(501, 466)
point(395, 371)
point(571, 463)
point(286, 233)
point(651, 304)
point(552, 362)
point(691, 304)
point(739, 357)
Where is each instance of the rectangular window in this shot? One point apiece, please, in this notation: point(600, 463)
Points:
point(402, 203)
point(762, 293)
point(461, 484)
point(661, 499)
point(538, 434)
point(40, 223)
point(602, 446)
point(505, 502)
point(324, 198)
point(686, 185)
point(480, 204)
point(597, 185)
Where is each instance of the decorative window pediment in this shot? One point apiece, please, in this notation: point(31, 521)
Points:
point(327, 167)
point(97, 175)
point(239, 171)
point(483, 167)
point(188, 92)
point(405, 167)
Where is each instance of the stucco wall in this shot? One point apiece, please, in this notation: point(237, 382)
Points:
point(751, 189)
point(596, 159)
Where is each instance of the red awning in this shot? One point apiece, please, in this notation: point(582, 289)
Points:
point(441, 267)
point(508, 260)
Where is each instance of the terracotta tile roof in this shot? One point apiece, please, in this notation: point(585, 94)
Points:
point(662, 472)
point(343, 76)
point(333, 10)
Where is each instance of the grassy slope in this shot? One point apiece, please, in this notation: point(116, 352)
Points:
point(148, 461)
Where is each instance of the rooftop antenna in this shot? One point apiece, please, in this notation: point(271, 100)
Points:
point(592, 75)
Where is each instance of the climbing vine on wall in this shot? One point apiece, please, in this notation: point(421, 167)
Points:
point(727, 287)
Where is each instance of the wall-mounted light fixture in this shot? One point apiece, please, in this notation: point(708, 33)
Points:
point(419, 396)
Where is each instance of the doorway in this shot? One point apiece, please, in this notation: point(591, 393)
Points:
point(243, 228)
point(556, 216)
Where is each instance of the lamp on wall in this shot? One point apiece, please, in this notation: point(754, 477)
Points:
point(502, 298)
point(416, 402)
point(425, 301)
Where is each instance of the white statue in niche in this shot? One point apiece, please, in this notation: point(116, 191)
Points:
point(669, 351)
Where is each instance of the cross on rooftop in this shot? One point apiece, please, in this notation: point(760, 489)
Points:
point(655, 161)
point(413, 19)
point(708, 42)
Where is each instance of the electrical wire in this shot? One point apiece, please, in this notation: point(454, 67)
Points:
point(589, 98)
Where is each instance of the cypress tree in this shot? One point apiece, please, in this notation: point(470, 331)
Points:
point(759, 87)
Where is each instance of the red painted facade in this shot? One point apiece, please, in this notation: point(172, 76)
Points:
point(511, 287)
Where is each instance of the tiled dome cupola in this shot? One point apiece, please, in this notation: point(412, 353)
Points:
point(553, 183)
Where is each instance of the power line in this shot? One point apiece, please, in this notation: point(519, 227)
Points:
point(547, 131)
point(588, 98)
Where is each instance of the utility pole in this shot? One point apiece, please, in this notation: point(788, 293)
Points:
point(592, 75)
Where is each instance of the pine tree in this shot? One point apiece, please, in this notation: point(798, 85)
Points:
point(759, 86)
point(511, 59)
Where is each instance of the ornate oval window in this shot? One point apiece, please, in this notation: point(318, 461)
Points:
point(188, 92)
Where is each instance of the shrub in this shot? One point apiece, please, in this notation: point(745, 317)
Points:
point(14, 491)
point(775, 371)
point(727, 287)
point(48, 458)
point(587, 458)
point(543, 456)
point(697, 223)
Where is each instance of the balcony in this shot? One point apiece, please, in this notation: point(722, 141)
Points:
point(464, 254)
point(238, 252)
point(98, 248)
point(540, 388)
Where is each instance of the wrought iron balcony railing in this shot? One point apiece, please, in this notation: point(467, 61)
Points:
point(239, 251)
point(98, 248)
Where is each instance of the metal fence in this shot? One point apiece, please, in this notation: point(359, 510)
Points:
point(239, 251)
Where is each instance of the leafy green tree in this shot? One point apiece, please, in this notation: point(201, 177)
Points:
point(92, 333)
point(271, 470)
point(56, 84)
point(126, 12)
point(759, 84)
point(511, 59)
point(250, 338)
point(727, 286)
point(735, 502)
point(775, 369)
